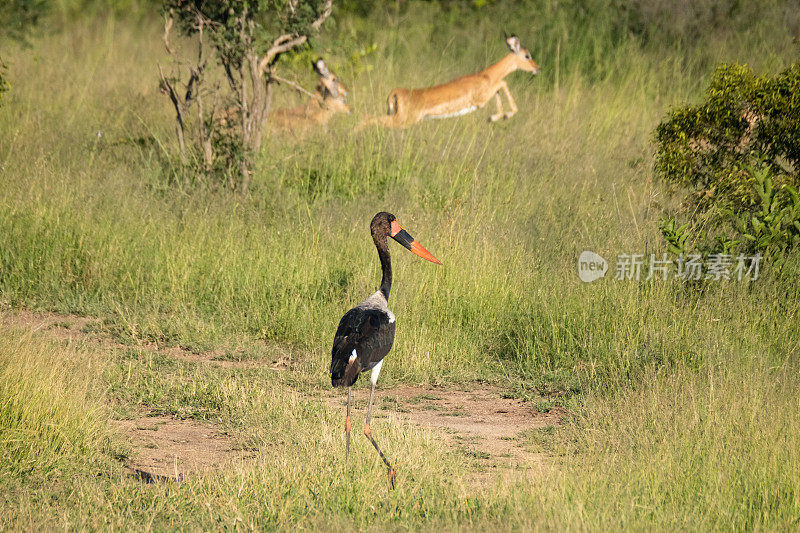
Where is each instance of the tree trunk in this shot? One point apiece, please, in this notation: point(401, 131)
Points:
point(245, 172)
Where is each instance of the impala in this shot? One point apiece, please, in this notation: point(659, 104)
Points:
point(460, 96)
point(329, 99)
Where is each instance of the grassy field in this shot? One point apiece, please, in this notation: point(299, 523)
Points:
point(681, 405)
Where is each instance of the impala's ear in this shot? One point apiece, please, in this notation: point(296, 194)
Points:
point(321, 68)
point(513, 43)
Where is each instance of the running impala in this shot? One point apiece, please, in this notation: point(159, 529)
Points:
point(460, 96)
point(329, 99)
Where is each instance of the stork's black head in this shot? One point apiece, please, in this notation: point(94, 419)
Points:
point(385, 225)
point(381, 225)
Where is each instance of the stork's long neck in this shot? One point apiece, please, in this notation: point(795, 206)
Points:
point(386, 265)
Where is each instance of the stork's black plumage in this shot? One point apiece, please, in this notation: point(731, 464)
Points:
point(366, 332)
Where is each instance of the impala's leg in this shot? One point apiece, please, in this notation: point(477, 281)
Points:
point(368, 433)
point(511, 104)
point(497, 116)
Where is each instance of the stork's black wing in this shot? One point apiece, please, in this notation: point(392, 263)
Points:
point(369, 332)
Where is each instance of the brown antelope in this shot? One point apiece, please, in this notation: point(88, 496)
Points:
point(460, 96)
point(329, 99)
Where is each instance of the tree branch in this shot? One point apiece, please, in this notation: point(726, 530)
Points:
point(326, 12)
point(282, 44)
point(294, 85)
point(169, 89)
point(286, 42)
point(168, 26)
point(229, 75)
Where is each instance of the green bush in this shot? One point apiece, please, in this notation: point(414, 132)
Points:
point(16, 19)
point(240, 34)
point(18, 16)
point(736, 156)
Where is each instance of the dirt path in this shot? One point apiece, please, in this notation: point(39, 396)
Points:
point(164, 448)
point(167, 448)
point(478, 422)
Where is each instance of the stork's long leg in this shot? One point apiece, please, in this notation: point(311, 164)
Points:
point(368, 433)
point(347, 427)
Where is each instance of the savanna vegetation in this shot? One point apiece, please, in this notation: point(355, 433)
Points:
point(680, 397)
point(737, 154)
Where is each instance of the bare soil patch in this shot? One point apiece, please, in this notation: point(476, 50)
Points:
point(170, 449)
point(61, 327)
point(163, 448)
point(479, 422)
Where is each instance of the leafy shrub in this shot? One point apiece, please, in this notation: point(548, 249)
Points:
point(737, 157)
point(687, 21)
point(240, 34)
point(16, 19)
point(18, 16)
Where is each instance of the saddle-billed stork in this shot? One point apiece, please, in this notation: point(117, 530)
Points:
point(366, 332)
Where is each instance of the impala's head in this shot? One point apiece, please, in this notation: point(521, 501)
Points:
point(333, 91)
point(523, 58)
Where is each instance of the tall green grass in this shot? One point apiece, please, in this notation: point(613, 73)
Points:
point(665, 383)
point(52, 412)
point(507, 208)
point(709, 449)
point(715, 449)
